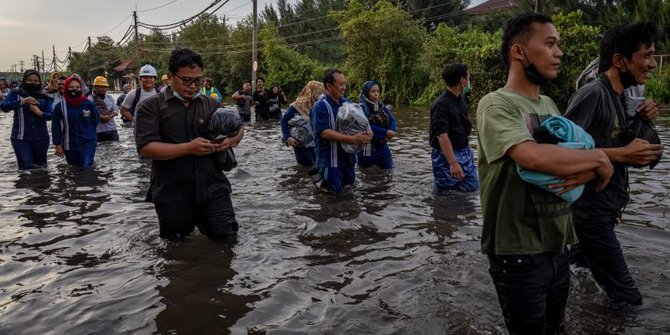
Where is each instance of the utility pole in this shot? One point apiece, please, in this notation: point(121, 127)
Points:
point(22, 63)
point(137, 35)
point(44, 68)
point(89, 42)
point(254, 48)
point(538, 6)
point(53, 62)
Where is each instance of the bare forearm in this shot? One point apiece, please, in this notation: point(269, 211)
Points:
point(447, 148)
point(556, 160)
point(332, 135)
point(165, 151)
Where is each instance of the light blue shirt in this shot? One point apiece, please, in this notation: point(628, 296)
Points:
point(111, 108)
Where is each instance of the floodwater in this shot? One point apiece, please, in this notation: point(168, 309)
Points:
point(80, 253)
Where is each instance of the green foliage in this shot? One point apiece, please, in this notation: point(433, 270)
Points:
point(658, 86)
point(285, 66)
point(579, 43)
point(477, 49)
point(383, 43)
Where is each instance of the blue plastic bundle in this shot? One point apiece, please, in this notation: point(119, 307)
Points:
point(570, 136)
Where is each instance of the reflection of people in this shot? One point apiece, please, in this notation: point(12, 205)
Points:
point(74, 126)
point(453, 160)
point(383, 127)
point(187, 187)
point(626, 58)
point(243, 100)
point(106, 129)
point(305, 154)
point(526, 229)
point(336, 166)
point(261, 96)
point(32, 109)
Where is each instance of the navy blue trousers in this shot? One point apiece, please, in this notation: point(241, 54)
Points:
point(82, 158)
point(30, 154)
point(305, 156)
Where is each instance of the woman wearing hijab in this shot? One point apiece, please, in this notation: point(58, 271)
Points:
point(383, 126)
point(276, 98)
point(32, 110)
point(298, 113)
point(73, 125)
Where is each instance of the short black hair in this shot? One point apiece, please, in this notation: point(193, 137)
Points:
point(62, 78)
point(246, 82)
point(625, 39)
point(452, 73)
point(184, 57)
point(329, 76)
point(519, 29)
point(260, 78)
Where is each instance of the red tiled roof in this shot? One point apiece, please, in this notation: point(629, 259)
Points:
point(491, 6)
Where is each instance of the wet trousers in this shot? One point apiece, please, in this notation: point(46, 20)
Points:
point(30, 153)
point(338, 177)
point(305, 156)
point(111, 135)
point(532, 291)
point(602, 252)
point(214, 217)
point(82, 158)
point(380, 156)
point(444, 182)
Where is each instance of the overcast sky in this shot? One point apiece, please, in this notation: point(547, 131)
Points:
point(28, 27)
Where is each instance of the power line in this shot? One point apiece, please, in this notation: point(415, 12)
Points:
point(159, 7)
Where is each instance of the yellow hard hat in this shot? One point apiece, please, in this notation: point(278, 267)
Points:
point(164, 77)
point(100, 81)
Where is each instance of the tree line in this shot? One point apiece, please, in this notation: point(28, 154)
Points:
point(403, 44)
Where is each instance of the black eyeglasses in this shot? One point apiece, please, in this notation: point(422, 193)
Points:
point(188, 81)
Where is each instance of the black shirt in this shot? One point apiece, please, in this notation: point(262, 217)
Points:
point(449, 114)
point(594, 107)
point(164, 118)
point(263, 107)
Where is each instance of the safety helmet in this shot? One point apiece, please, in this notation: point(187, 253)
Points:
point(100, 81)
point(148, 71)
point(164, 77)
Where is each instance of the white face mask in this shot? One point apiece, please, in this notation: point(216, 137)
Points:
point(176, 94)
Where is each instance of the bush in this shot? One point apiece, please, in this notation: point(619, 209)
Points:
point(658, 86)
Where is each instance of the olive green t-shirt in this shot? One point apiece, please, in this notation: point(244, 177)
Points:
point(519, 218)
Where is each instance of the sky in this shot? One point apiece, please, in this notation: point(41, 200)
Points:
point(28, 27)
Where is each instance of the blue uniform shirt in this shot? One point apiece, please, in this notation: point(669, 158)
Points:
point(323, 116)
point(27, 125)
point(74, 127)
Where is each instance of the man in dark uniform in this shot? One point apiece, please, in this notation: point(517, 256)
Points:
point(187, 187)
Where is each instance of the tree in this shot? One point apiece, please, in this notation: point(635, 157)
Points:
point(383, 43)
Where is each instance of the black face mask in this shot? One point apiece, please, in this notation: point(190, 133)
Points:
point(101, 95)
point(74, 93)
point(532, 73)
point(32, 87)
point(627, 78)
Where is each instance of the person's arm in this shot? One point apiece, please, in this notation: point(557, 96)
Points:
point(358, 139)
point(126, 104)
point(283, 123)
point(219, 97)
point(56, 130)
point(45, 109)
point(230, 142)
point(558, 161)
point(12, 102)
point(95, 115)
point(448, 152)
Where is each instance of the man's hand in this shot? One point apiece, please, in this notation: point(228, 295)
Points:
point(361, 138)
point(573, 181)
point(390, 134)
point(456, 171)
point(604, 171)
point(648, 109)
point(640, 152)
point(291, 142)
point(200, 146)
point(59, 151)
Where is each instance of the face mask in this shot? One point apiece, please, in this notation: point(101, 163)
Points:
point(532, 73)
point(627, 78)
point(32, 87)
point(176, 94)
point(467, 89)
point(74, 93)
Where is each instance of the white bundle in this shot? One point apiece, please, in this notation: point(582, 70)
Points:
point(351, 120)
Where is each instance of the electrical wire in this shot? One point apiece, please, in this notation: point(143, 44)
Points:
point(159, 7)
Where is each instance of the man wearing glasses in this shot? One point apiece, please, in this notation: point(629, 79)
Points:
point(188, 187)
point(135, 98)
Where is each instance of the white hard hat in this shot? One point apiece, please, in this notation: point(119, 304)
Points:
point(148, 71)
